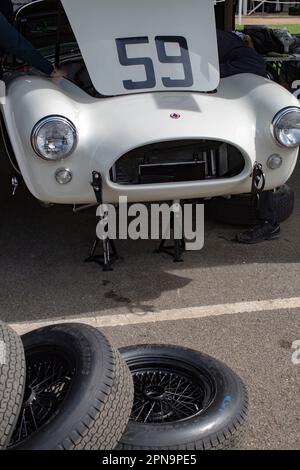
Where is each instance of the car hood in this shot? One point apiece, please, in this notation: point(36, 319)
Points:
point(134, 46)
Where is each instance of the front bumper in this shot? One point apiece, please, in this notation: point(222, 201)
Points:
point(239, 113)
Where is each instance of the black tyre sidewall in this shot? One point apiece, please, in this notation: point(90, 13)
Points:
point(225, 410)
point(284, 202)
point(90, 351)
point(241, 209)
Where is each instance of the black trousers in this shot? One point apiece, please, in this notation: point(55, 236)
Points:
point(266, 208)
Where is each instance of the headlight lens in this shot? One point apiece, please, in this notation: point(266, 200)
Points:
point(286, 127)
point(54, 138)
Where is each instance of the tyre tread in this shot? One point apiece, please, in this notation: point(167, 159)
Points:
point(12, 383)
point(101, 413)
point(107, 424)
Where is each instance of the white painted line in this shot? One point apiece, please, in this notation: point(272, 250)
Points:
point(100, 321)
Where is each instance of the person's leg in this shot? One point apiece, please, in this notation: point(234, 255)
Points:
point(266, 209)
point(268, 228)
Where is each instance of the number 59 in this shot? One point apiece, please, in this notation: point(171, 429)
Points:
point(164, 58)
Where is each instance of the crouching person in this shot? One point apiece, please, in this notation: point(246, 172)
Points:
point(237, 57)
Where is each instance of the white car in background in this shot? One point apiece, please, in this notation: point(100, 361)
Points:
point(146, 108)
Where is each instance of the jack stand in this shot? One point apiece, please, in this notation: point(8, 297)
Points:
point(175, 251)
point(109, 255)
point(106, 259)
point(179, 247)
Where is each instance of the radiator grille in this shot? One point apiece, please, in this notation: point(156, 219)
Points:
point(169, 162)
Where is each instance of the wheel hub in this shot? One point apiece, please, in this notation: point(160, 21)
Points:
point(154, 392)
point(165, 396)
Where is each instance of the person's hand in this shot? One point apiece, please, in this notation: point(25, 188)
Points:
point(59, 73)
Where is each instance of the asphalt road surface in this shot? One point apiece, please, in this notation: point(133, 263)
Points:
point(238, 303)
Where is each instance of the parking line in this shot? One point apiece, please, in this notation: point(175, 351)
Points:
point(189, 313)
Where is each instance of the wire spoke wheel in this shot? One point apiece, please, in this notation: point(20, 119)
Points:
point(48, 380)
point(183, 399)
point(163, 395)
point(79, 391)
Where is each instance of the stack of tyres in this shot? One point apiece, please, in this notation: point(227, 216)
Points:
point(80, 393)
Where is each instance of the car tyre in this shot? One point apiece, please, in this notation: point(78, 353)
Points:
point(241, 209)
point(184, 400)
point(12, 382)
point(79, 391)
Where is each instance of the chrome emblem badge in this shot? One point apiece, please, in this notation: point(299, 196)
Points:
point(175, 116)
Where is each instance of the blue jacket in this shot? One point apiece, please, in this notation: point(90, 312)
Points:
point(12, 42)
point(7, 9)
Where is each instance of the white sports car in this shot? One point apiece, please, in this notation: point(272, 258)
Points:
point(146, 107)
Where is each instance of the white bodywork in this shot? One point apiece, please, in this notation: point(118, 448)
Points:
point(240, 113)
point(98, 24)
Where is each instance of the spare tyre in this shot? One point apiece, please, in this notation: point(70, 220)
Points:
point(78, 394)
point(184, 400)
point(241, 209)
point(12, 381)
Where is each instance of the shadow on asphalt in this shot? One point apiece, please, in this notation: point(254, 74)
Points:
point(43, 274)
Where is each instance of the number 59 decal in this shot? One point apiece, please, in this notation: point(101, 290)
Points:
point(163, 57)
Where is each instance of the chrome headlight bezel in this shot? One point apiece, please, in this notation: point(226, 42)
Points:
point(52, 119)
point(276, 120)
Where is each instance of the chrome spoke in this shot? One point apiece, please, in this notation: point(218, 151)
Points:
point(149, 413)
point(166, 396)
point(48, 380)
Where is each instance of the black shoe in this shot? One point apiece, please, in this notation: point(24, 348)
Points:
point(259, 233)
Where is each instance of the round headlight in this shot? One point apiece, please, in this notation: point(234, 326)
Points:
point(286, 127)
point(54, 138)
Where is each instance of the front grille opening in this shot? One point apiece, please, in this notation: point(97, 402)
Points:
point(178, 161)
